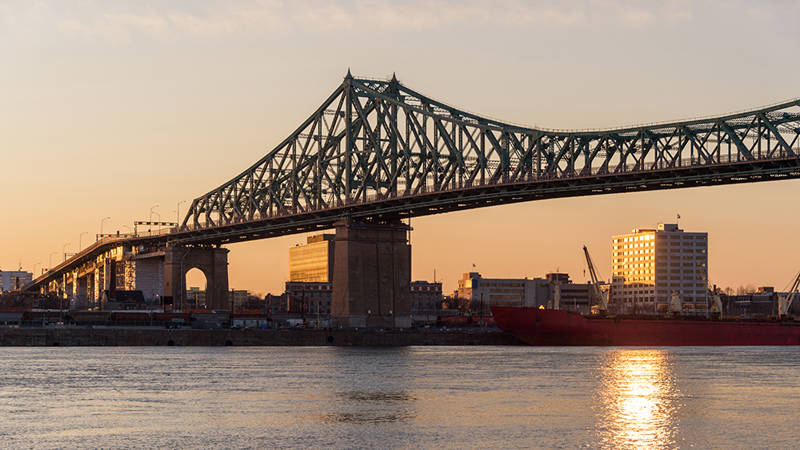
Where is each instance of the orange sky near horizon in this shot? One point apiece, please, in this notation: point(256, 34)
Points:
point(113, 108)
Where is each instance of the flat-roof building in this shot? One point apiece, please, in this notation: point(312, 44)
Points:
point(238, 298)
point(312, 261)
point(480, 292)
point(308, 297)
point(426, 300)
point(195, 298)
point(648, 265)
point(12, 280)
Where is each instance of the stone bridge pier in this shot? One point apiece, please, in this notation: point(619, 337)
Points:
point(212, 261)
point(372, 275)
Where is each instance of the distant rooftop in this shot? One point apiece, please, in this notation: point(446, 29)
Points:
point(319, 238)
point(668, 227)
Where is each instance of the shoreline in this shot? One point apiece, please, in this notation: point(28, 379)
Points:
point(136, 336)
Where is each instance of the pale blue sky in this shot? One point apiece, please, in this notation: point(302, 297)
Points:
point(111, 107)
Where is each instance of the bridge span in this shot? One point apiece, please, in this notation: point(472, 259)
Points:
point(377, 151)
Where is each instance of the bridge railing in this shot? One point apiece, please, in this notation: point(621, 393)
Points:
point(154, 232)
point(531, 177)
point(109, 239)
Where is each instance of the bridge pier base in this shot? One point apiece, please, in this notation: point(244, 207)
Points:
point(213, 262)
point(372, 275)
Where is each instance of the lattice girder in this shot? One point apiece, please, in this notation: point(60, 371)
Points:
point(376, 140)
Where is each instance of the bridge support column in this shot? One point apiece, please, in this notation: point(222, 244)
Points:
point(91, 288)
point(81, 299)
point(109, 279)
point(66, 287)
point(213, 262)
point(97, 286)
point(150, 278)
point(74, 291)
point(372, 276)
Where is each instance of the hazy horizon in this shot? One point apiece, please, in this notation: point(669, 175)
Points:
point(113, 107)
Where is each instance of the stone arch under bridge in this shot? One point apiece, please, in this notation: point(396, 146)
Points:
point(212, 261)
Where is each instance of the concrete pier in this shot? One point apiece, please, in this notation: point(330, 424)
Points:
point(372, 274)
point(212, 261)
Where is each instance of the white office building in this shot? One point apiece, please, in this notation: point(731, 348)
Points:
point(14, 279)
point(648, 265)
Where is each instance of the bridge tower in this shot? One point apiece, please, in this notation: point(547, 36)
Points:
point(371, 275)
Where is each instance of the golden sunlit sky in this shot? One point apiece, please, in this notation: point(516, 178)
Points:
point(109, 108)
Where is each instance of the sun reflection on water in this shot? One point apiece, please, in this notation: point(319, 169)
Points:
point(638, 400)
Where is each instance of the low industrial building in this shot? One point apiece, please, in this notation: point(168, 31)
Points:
point(426, 301)
point(309, 297)
point(761, 304)
point(475, 293)
point(239, 298)
point(195, 298)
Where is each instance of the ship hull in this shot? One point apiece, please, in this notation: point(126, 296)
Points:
point(554, 327)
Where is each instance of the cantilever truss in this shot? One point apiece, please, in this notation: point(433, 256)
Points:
point(378, 149)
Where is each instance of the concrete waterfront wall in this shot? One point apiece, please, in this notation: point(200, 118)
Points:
point(187, 337)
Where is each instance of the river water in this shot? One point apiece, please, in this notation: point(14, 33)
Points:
point(444, 397)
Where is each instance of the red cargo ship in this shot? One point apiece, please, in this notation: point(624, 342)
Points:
point(556, 327)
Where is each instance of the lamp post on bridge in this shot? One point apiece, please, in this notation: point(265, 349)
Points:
point(150, 220)
point(178, 212)
point(80, 240)
point(158, 221)
point(101, 225)
point(65, 250)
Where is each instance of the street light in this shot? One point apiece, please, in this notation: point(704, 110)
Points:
point(65, 250)
point(80, 240)
point(101, 225)
point(178, 211)
point(158, 230)
point(149, 225)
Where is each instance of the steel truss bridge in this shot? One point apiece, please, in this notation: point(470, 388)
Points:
point(376, 150)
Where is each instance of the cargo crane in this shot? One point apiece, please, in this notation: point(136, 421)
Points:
point(602, 299)
point(785, 302)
